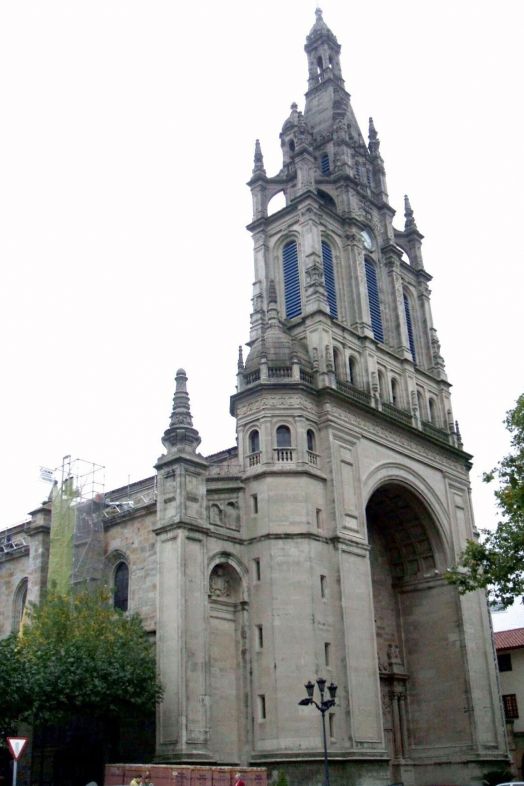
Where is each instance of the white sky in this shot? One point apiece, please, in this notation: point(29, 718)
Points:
point(126, 139)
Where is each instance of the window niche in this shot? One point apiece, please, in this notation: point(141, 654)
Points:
point(121, 586)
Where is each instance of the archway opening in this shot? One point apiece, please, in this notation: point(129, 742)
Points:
point(422, 674)
point(227, 664)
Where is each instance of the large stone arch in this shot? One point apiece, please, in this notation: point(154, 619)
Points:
point(418, 630)
point(228, 658)
point(437, 515)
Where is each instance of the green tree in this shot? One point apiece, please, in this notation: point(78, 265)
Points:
point(13, 693)
point(77, 656)
point(496, 562)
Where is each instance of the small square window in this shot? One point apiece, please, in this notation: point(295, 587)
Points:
point(261, 707)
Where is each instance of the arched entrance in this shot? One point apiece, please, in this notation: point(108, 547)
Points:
point(227, 663)
point(419, 637)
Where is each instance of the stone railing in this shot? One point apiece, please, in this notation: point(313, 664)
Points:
point(283, 455)
point(434, 431)
point(253, 459)
point(397, 414)
point(353, 392)
point(280, 372)
point(254, 376)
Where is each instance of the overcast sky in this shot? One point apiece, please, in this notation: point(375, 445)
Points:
point(126, 140)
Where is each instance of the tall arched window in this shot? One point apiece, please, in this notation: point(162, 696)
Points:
point(394, 392)
point(121, 588)
point(311, 442)
point(381, 387)
point(432, 411)
point(329, 278)
point(420, 403)
point(291, 280)
point(254, 441)
point(409, 325)
point(324, 164)
point(374, 301)
point(337, 363)
point(19, 603)
point(352, 370)
point(283, 437)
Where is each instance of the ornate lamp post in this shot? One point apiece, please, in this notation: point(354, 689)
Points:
point(323, 707)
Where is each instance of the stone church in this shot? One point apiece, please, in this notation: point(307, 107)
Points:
point(316, 547)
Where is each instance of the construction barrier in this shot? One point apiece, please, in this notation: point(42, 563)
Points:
point(183, 775)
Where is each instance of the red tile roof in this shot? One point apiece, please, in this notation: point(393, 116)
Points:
point(509, 639)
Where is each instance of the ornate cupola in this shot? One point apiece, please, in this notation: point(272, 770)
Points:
point(323, 54)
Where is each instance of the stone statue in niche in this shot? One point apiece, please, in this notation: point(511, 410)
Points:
point(219, 583)
point(232, 516)
point(215, 514)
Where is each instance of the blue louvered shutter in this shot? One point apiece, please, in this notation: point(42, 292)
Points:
point(374, 301)
point(329, 278)
point(324, 164)
point(291, 280)
point(409, 325)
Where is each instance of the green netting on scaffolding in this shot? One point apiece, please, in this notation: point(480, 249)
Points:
point(63, 519)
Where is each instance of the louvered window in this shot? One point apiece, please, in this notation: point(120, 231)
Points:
point(291, 280)
point(374, 301)
point(329, 278)
point(324, 164)
point(409, 325)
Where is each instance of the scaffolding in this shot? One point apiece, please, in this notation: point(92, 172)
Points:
point(77, 544)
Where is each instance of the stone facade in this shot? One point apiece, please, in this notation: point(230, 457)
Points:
point(318, 545)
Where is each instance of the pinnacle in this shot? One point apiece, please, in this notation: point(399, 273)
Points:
point(408, 215)
point(259, 159)
point(181, 435)
point(374, 142)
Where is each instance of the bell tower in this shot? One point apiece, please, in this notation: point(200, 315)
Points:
point(356, 489)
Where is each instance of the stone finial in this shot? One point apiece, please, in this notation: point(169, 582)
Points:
point(259, 159)
point(458, 434)
point(240, 363)
point(408, 215)
point(181, 435)
point(374, 142)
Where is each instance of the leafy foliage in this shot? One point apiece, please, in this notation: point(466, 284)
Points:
point(77, 655)
point(13, 692)
point(496, 562)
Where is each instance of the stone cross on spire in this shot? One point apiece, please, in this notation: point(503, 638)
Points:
point(181, 436)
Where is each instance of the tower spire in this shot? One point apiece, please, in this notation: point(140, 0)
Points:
point(181, 435)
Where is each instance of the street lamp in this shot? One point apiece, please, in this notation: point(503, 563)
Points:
point(323, 707)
